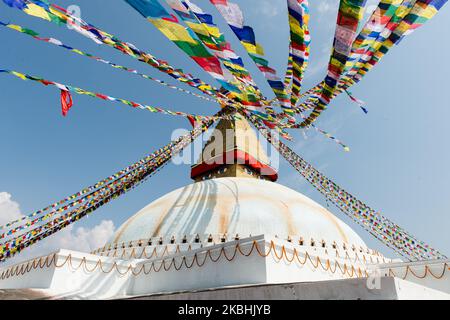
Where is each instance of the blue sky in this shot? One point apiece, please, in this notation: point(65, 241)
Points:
point(399, 156)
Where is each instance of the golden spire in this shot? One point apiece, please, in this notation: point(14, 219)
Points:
point(233, 150)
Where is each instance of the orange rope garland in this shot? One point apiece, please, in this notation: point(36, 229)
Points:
point(426, 272)
point(154, 253)
point(345, 270)
point(48, 262)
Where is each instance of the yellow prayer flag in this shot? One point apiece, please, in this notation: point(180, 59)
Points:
point(37, 11)
point(214, 31)
point(15, 27)
point(429, 12)
point(19, 75)
point(173, 31)
point(198, 28)
point(258, 49)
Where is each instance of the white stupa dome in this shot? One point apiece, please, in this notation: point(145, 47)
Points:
point(231, 206)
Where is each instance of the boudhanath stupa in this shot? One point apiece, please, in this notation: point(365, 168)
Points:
point(232, 234)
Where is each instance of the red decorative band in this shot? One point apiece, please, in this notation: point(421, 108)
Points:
point(237, 157)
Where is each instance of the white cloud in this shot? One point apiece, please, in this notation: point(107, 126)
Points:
point(85, 239)
point(79, 239)
point(9, 209)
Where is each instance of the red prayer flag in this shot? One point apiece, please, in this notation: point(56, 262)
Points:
point(192, 120)
point(66, 102)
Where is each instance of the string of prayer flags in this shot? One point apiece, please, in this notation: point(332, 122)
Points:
point(407, 18)
point(234, 17)
point(323, 132)
point(202, 24)
point(170, 26)
point(350, 14)
point(312, 95)
point(360, 103)
point(80, 196)
point(289, 72)
point(15, 245)
point(330, 136)
point(60, 44)
point(300, 44)
point(72, 205)
point(383, 20)
point(372, 221)
point(67, 88)
point(382, 15)
point(393, 20)
point(381, 33)
point(60, 16)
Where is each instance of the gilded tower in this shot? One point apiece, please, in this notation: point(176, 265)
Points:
point(233, 150)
